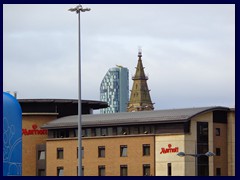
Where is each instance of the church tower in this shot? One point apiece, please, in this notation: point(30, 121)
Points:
point(140, 99)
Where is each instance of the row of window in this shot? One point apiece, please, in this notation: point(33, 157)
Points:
point(113, 131)
point(101, 151)
point(103, 131)
point(102, 170)
point(218, 151)
point(123, 170)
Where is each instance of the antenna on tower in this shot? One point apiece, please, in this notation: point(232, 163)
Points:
point(139, 51)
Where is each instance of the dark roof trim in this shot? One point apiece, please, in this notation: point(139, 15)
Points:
point(42, 102)
point(47, 100)
point(59, 101)
point(74, 125)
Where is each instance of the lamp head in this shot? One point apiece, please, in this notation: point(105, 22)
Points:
point(79, 8)
point(86, 9)
point(209, 154)
point(181, 154)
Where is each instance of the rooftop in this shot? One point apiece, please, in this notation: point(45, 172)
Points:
point(128, 118)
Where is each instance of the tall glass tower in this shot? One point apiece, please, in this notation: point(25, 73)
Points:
point(114, 90)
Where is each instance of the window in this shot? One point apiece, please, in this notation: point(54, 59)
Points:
point(77, 152)
point(218, 132)
point(60, 171)
point(41, 172)
point(202, 147)
point(122, 130)
point(88, 132)
point(104, 131)
point(119, 130)
point(71, 133)
point(101, 151)
point(147, 130)
point(98, 132)
point(202, 132)
point(83, 132)
point(82, 152)
point(82, 171)
point(123, 150)
point(63, 133)
point(144, 129)
point(75, 133)
point(146, 170)
point(218, 152)
point(169, 167)
point(41, 155)
point(114, 131)
point(134, 130)
point(67, 133)
point(59, 153)
point(125, 130)
point(218, 171)
point(51, 134)
point(123, 170)
point(54, 134)
point(110, 131)
point(146, 149)
point(101, 170)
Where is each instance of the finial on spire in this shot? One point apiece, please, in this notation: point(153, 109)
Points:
point(139, 51)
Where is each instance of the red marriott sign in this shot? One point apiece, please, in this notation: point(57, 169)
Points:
point(34, 131)
point(169, 149)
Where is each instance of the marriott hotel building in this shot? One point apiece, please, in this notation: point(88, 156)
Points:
point(142, 143)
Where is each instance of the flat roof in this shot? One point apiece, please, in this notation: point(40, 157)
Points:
point(93, 104)
point(131, 118)
point(64, 107)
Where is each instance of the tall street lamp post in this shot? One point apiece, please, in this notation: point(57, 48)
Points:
point(79, 9)
point(208, 154)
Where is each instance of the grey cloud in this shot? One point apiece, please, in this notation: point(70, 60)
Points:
point(188, 50)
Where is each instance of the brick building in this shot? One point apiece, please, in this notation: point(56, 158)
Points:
point(35, 113)
point(134, 143)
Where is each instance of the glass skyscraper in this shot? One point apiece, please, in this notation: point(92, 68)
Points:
point(114, 90)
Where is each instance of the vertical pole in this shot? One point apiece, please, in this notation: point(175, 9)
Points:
point(79, 102)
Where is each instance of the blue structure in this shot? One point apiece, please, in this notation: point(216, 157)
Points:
point(114, 90)
point(12, 136)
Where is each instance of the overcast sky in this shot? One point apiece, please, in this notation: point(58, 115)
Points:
point(188, 50)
